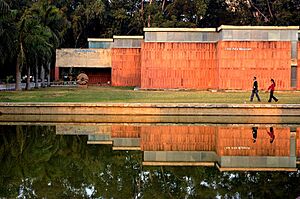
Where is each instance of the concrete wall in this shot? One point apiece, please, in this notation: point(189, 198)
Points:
point(258, 33)
point(101, 43)
point(127, 41)
point(174, 35)
point(180, 157)
point(274, 163)
point(87, 58)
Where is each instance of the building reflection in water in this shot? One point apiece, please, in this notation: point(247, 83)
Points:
point(235, 147)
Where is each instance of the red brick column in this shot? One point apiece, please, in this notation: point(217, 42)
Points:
point(298, 141)
point(56, 73)
point(298, 68)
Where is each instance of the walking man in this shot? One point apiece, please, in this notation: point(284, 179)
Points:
point(254, 90)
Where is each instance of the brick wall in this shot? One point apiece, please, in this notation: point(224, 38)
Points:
point(178, 65)
point(177, 138)
point(126, 66)
point(125, 131)
point(238, 62)
point(237, 141)
point(298, 68)
point(98, 76)
point(298, 143)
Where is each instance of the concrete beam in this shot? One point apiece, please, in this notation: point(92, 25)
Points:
point(210, 164)
point(128, 37)
point(99, 142)
point(229, 27)
point(179, 30)
point(256, 169)
point(115, 148)
point(101, 39)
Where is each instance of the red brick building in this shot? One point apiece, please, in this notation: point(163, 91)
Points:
point(192, 58)
point(227, 147)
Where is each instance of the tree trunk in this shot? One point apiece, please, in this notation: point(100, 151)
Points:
point(163, 6)
point(28, 79)
point(149, 16)
point(36, 78)
point(142, 12)
point(18, 76)
point(48, 74)
point(42, 77)
point(142, 7)
point(78, 37)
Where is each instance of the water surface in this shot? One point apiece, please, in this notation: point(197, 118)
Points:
point(149, 160)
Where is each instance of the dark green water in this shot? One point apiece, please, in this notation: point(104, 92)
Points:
point(36, 162)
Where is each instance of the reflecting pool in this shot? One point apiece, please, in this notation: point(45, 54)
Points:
point(149, 160)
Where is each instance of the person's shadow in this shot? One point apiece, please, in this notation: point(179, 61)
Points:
point(271, 134)
point(254, 134)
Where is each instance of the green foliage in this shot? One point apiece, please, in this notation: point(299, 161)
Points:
point(7, 35)
point(4, 7)
point(68, 23)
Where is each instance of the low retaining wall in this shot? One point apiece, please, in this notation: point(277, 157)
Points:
point(169, 109)
point(150, 113)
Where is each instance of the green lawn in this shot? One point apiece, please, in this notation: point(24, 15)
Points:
point(126, 94)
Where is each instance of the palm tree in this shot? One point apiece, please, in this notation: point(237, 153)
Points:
point(32, 36)
point(7, 34)
point(4, 7)
point(39, 50)
point(40, 31)
point(56, 23)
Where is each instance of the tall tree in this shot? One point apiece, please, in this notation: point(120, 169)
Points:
point(7, 38)
point(4, 7)
point(33, 38)
point(126, 17)
point(88, 18)
point(54, 21)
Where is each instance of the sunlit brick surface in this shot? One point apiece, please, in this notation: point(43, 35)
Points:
point(126, 70)
point(298, 68)
point(179, 65)
point(237, 141)
point(124, 131)
point(239, 61)
point(298, 143)
point(178, 138)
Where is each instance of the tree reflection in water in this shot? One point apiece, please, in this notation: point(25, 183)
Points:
point(37, 163)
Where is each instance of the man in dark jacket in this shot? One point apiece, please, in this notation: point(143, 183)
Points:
point(254, 90)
